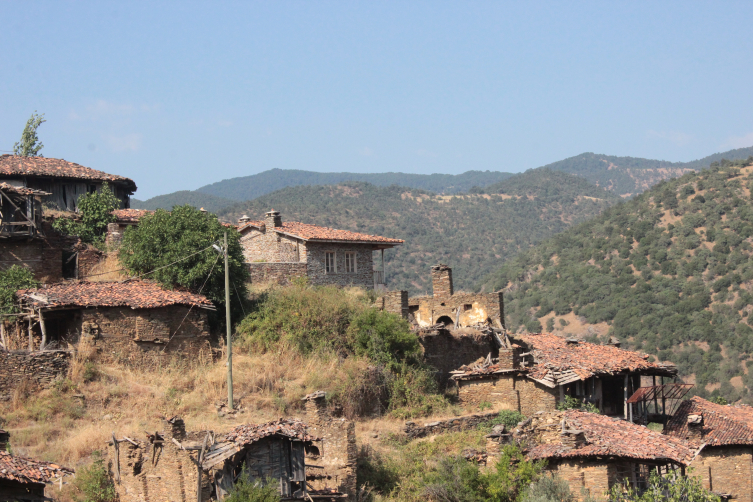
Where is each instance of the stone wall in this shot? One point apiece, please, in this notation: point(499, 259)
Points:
point(278, 273)
point(507, 392)
point(139, 336)
point(467, 309)
point(441, 281)
point(270, 246)
point(44, 262)
point(395, 302)
point(363, 276)
point(593, 477)
point(447, 350)
point(457, 424)
point(337, 451)
point(726, 469)
point(40, 369)
point(88, 258)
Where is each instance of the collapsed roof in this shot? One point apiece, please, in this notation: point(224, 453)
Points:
point(136, 294)
point(612, 437)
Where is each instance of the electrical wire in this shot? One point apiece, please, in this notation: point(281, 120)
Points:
point(147, 273)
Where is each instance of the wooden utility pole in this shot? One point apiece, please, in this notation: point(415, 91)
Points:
point(229, 335)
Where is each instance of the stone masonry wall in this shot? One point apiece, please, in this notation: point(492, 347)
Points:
point(270, 246)
point(441, 280)
point(457, 424)
point(592, 476)
point(473, 309)
point(278, 273)
point(395, 302)
point(507, 392)
point(447, 351)
point(40, 369)
point(364, 275)
point(337, 449)
point(726, 469)
point(44, 262)
point(145, 335)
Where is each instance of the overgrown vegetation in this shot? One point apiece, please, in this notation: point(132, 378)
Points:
point(674, 487)
point(670, 272)
point(174, 248)
point(11, 280)
point(93, 483)
point(247, 490)
point(330, 320)
point(573, 403)
point(96, 210)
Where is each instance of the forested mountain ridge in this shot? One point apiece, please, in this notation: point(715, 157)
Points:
point(669, 273)
point(211, 203)
point(473, 232)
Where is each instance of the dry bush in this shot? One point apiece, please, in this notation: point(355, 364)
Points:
point(21, 393)
point(108, 269)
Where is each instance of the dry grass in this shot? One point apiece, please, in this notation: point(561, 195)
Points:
point(108, 269)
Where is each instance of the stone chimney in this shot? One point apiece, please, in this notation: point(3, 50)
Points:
point(441, 281)
point(695, 427)
point(243, 220)
point(316, 407)
point(272, 219)
point(573, 439)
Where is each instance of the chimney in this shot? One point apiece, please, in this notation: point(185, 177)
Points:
point(441, 281)
point(316, 407)
point(272, 219)
point(695, 427)
point(243, 220)
point(573, 439)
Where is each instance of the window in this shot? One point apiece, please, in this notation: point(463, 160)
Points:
point(329, 262)
point(350, 263)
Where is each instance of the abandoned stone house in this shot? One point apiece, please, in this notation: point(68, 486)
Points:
point(127, 321)
point(176, 466)
point(454, 310)
point(333, 448)
point(278, 251)
point(595, 452)
point(124, 218)
point(64, 181)
point(723, 437)
point(26, 480)
point(534, 372)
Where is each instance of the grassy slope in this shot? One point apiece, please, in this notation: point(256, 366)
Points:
point(472, 233)
point(669, 271)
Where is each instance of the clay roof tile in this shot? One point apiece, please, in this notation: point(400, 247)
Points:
point(17, 165)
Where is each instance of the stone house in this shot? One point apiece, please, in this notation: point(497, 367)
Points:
point(455, 309)
point(278, 251)
point(65, 181)
point(124, 218)
point(179, 467)
point(333, 448)
point(723, 436)
point(127, 321)
point(594, 452)
point(25, 480)
point(534, 372)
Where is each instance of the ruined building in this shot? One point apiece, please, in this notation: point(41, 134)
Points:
point(278, 251)
point(595, 452)
point(534, 372)
point(124, 218)
point(24, 479)
point(63, 180)
point(178, 466)
point(334, 451)
point(125, 321)
point(723, 437)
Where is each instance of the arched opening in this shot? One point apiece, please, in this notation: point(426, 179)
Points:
point(446, 320)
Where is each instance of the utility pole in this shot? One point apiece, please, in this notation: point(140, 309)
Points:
point(229, 336)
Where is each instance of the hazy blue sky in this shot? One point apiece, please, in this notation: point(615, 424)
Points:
point(178, 95)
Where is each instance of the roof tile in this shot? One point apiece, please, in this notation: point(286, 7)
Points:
point(722, 424)
point(26, 470)
point(130, 215)
point(41, 166)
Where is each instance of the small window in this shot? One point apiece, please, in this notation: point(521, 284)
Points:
point(329, 262)
point(467, 307)
point(350, 263)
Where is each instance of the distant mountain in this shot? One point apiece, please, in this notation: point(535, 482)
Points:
point(472, 232)
point(211, 203)
point(623, 175)
point(669, 272)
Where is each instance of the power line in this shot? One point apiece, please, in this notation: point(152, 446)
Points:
point(147, 273)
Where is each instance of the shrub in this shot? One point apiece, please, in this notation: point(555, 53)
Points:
point(248, 490)
point(573, 403)
point(549, 489)
point(454, 480)
point(674, 487)
point(96, 213)
point(11, 280)
point(384, 338)
point(512, 476)
point(509, 418)
point(93, 483)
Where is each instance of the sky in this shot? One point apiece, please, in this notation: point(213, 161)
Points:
point(177, 95)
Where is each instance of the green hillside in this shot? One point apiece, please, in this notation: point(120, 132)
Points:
point(669, 272)
point(473, 232)
point(211, 203)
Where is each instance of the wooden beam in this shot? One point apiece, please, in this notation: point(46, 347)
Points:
point(198, 468)
point(117, 458)
point(44, 331)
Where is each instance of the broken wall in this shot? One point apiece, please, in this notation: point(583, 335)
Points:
point(36, 369)
point(465, 309)
point(44, 262)
point(507, 392)
point(448, 350)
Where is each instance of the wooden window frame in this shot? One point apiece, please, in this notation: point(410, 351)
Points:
point(351, 261)
point(326, 262)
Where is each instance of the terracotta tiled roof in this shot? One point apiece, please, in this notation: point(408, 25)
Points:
point(5, 187)
point(317, 233)
point(607, 436)
point(482, 370)
point(250, 433)
point(722, 424)
point(132, 293)
point(259, 225)
point(41, 166)
point(559, 361)
point(26, 470)
point(130, 215)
